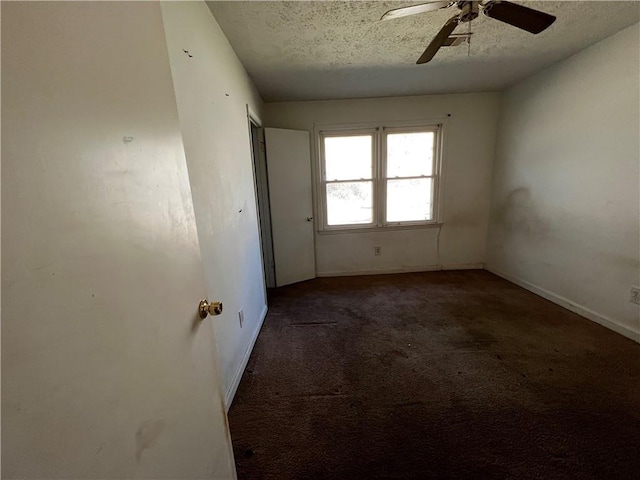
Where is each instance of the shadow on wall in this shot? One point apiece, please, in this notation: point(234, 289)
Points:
point(517, 215)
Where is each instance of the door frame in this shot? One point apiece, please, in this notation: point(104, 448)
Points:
point(261, 190)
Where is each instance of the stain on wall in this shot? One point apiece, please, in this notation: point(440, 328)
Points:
point(147, 435)
point(517, 214)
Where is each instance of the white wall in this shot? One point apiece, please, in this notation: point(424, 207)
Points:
point(212, 91)
point(565, 207)
point(468, 155)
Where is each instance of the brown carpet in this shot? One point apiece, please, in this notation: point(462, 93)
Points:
point(447, 375)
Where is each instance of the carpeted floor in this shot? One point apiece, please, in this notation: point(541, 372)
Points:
point(447, 375)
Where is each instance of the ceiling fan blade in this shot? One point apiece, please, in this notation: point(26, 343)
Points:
point(533, 21)
point(439, 40)
point(413, 9)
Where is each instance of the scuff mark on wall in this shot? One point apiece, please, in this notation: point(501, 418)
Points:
point(147, 435)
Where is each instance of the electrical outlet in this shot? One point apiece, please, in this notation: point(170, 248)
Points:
point(377, 251)
point(241, 317)
point(635, 295)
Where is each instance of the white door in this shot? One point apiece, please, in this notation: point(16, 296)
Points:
point(290, 198)
point(107, 372)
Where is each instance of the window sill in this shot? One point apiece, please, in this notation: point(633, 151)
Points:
point(390, 228)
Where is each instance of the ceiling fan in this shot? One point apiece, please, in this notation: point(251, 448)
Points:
point(533, 21)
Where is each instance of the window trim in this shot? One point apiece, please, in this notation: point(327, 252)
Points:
point(383, 179)
point(323, 180)
point(379, 130)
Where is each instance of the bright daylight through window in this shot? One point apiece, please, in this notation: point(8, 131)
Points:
point(379, 177)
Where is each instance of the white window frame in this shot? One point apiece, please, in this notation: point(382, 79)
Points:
point(436, 129)
point(379, 133)
point(374, 175)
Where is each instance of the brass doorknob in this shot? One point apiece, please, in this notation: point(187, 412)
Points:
point(206, 308)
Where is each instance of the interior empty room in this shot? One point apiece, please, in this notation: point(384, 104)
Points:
point(320, 239)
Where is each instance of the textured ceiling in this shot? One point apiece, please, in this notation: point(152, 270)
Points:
point(311, 50)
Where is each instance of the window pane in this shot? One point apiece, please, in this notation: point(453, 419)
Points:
point(409, 154)
point(347, 158)
point(349, 203)
point(409, 200)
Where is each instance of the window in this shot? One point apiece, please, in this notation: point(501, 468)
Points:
point(378, 177)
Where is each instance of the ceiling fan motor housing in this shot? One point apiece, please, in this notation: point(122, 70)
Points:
point(469, 11)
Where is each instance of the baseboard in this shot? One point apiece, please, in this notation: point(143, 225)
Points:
point(463, 266)
point(233, 388)
point(427, 268)
point(569, 305)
